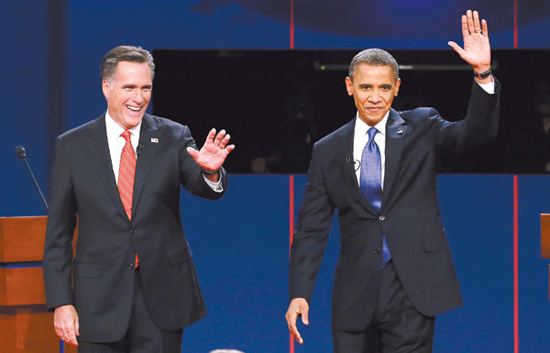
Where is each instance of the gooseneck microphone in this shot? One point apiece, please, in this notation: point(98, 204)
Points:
point(22, 154)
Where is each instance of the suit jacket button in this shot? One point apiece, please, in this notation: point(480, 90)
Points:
point(381, 218)
point(377, 251)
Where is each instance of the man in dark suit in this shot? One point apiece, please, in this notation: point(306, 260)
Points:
point(394, 272)
point(131, 286)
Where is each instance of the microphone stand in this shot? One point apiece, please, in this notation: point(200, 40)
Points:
point(22, 154)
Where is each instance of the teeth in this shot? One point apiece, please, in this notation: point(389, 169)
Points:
point(136, 109)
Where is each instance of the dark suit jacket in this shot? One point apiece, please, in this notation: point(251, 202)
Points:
point(83, 185)
point(409, 215)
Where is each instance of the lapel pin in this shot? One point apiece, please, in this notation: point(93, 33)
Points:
point(154, 140)
point(399, 132)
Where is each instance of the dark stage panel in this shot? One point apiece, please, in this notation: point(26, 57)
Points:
point(277, 103)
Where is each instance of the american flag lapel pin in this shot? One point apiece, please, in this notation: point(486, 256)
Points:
point(154, 140)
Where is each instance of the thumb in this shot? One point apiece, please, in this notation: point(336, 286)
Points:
point(456, 47)
point(77, 327)
point(305, 315)
point(193, 152)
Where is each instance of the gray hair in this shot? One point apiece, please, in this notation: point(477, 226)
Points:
point(125, 53)
point(373, 57)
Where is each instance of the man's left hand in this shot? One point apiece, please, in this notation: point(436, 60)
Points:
point(213, 153)
point(477, 50)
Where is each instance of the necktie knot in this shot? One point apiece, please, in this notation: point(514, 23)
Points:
point(372, 132)
point(126, 135)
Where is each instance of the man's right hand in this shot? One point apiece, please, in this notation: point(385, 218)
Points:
point(65, 321)
point(297, 307)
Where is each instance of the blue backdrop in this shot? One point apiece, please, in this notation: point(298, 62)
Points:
point(241, 242)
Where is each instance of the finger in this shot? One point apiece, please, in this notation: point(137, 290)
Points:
point(477, 26)
point(59, 333)
point(485, 28)
point(292, 328)
point(72, 338)
point(219, 137)
point(225, 141)
point(193, 152)
point(211, 135)
point(470, 20)
point(230, 148)
point(465, 32)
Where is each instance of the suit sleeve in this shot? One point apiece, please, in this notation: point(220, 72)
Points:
point(191, 174)
point(479, 127)
point(312, 231)
point(58, 250)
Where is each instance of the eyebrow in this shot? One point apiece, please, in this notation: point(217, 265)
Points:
point(130, 85)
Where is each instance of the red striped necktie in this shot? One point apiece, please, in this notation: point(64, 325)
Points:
point(126, 176)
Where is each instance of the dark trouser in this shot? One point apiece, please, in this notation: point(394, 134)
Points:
point(397, 326)
point(143, 336)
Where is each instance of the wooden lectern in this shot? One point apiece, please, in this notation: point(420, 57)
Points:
point(25, 324)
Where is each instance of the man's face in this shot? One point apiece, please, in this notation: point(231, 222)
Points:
point(128, 93)
point(373, 89)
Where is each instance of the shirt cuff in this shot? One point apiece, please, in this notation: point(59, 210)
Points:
point(488, 87)
point(216, 186)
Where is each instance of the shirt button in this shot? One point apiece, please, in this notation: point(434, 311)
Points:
point(377, 251)
point(381, 218)
point(132, 231)
point(130, 267)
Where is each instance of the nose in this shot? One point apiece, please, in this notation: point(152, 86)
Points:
point(374, 97)
point(137, 97)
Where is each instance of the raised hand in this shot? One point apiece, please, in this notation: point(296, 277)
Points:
point(213, 153)
point(477, 50)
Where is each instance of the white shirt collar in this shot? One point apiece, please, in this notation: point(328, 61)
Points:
point(361, 127)
point(115, 130)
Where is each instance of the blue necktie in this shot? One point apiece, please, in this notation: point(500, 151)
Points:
point(370, 181)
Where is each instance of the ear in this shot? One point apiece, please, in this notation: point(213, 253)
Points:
point(397, 85)
point(106, 87)
point(349, 86)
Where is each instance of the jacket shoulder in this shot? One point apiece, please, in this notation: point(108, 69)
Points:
point(82, 130)
point(337, 135)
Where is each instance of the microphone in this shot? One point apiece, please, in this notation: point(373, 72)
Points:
point(139, 149)
point(349, 161)
point(22, 154)
point(353, 163)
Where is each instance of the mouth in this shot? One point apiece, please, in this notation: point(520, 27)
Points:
point(374, 109)
point(134, 109)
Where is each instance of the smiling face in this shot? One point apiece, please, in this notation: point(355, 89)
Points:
point(128, 93)
point(373, 89)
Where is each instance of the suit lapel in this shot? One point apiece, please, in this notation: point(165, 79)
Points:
point(98, 147)
point(396, 130)
point(345, 148)
point(149, 143)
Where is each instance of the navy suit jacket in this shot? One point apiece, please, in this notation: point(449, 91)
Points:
point(102, 272)
point(409, 217)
